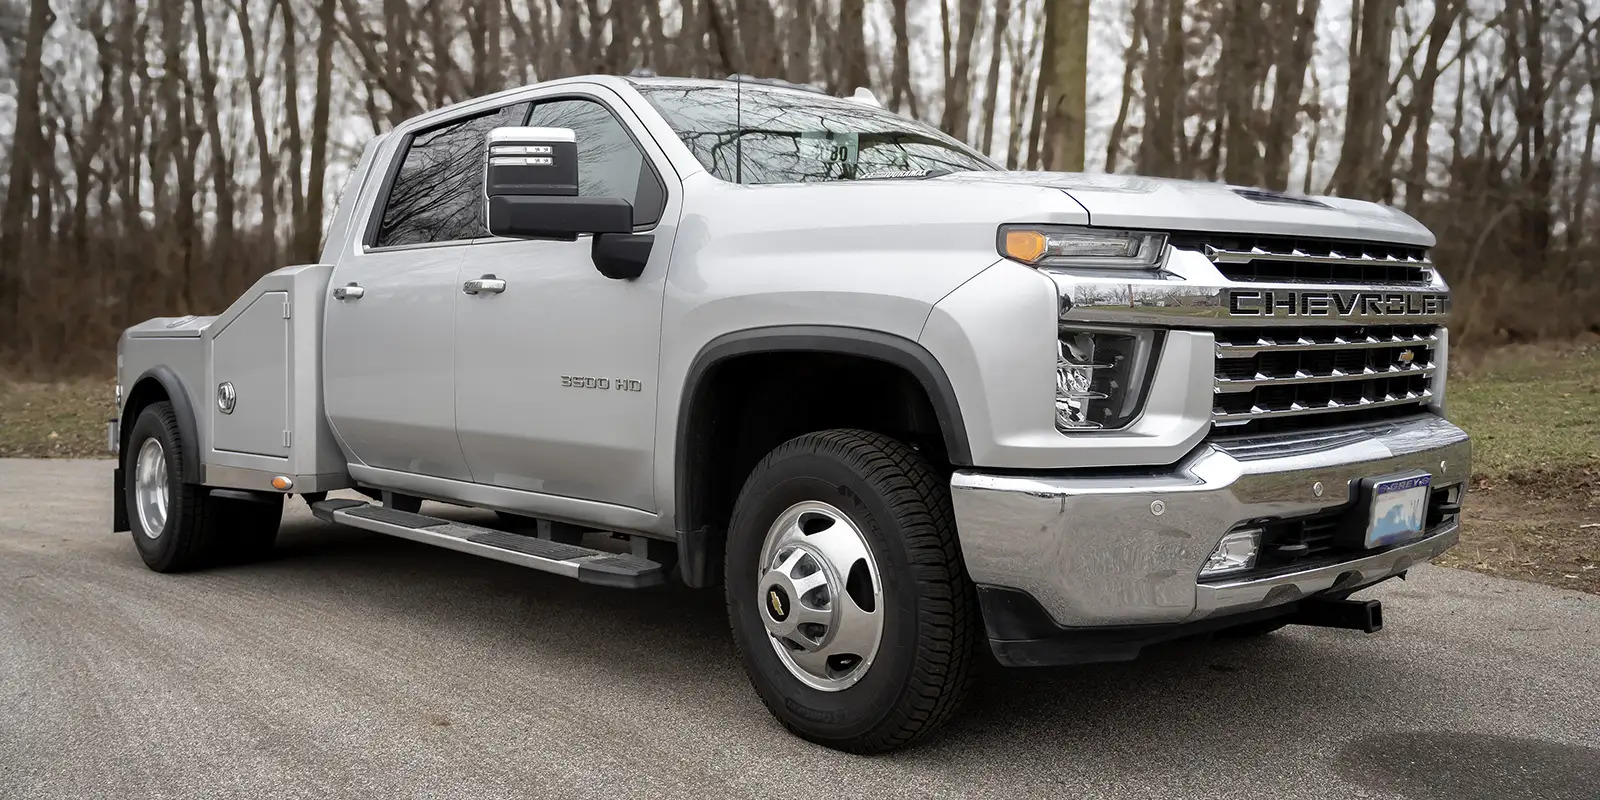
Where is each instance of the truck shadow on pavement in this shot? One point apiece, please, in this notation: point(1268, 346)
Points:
point(1328, 699)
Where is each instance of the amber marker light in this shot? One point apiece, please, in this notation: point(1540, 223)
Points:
point(1025, 246)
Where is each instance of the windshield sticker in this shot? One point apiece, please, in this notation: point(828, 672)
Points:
point(832, 148)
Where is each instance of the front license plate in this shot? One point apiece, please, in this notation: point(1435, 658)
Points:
point(1399, 510)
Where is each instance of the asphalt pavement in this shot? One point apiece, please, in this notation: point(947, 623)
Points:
point(356, 665)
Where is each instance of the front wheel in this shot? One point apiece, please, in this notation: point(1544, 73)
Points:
point(846, 592)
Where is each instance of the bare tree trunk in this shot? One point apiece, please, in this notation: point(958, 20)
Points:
point(1036, 117)
point(991, 85)
point(957, 116)
point(721, 37)
point(945, 48)
point(1371, 32)
point(483, 31)
point(522, 45)
point(94, 141)
point(1313, 142)
point(1130, 66)
point(1536, 149)
point(1021, 47)
point(1584, 193)
point(798, 63)
point(1297, 30)
point(1242, 69)
point(28, 148)
point(308, 235)
point(293, 142)
point(1064, 85)
point(624, 28)
point(174, 200)
point(258, 119)
point(200, 293)
point(392, 70)
point(1161, 146)
point(221, 170)
point(1417, 114)
point(901, 95)
point(852, 48)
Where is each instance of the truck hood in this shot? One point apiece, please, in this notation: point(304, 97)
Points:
point(1130, 201)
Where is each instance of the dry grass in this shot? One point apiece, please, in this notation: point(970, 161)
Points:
point(55, 420)
point(1534, 508)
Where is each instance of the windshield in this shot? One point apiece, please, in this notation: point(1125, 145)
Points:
point(796, 137)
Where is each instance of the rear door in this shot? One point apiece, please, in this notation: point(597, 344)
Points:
point(556, 375)
point(389, 333)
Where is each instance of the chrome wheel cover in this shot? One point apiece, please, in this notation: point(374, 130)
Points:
point(150, 488)
point(820, 596)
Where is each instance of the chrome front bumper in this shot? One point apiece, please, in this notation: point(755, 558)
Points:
point(1125, 548)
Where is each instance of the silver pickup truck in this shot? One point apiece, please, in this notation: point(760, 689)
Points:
point(894, 400)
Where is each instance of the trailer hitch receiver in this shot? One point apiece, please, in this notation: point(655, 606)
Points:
point(1360, 615)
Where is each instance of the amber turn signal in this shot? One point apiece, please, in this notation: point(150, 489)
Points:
point(1025, 246)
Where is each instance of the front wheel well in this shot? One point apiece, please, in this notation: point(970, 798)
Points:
point(744, 406)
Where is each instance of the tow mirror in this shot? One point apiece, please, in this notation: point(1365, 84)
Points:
point(531, 184)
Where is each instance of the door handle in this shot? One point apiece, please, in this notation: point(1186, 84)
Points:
point(487, 284)
point(350, 291)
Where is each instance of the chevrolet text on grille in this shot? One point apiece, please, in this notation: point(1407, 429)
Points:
point(1329, 303)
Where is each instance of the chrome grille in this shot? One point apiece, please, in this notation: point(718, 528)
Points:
point(1285, 259)
point(1263, 375)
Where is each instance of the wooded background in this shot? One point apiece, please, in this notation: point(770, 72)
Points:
point(162, 154)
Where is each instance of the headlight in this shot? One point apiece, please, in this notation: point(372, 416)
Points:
point(1064, 246)
point(1100, 377)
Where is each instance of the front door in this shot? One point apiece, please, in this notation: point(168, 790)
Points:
point(556, 374)
point(389, 333)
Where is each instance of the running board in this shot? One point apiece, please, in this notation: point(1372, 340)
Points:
point(586, 564)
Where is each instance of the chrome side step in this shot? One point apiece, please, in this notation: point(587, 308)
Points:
point(574, 561)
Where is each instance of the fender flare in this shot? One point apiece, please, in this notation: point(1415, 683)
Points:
point(182, 408)
point(694, 540)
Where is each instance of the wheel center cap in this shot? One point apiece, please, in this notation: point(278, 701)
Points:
point(778, 604)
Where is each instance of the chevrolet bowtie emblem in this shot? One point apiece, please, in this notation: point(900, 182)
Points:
point(1406, 356)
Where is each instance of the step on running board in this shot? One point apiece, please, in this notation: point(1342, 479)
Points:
point(574, 561)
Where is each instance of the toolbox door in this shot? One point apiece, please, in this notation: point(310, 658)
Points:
point(250, 361)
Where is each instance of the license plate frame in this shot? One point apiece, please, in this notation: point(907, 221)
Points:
point(1397, 509)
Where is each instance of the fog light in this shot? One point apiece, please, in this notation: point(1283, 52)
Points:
point(1235, 553)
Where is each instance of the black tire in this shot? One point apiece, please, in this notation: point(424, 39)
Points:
point(247, 529)
point(186, 539)
point(1250, 630)
point(901, 505)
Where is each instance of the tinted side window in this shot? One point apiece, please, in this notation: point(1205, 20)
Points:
point(610, 163)
point(437, 195)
